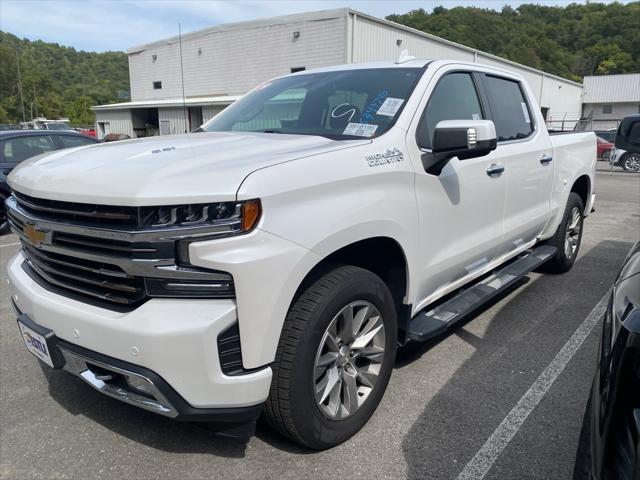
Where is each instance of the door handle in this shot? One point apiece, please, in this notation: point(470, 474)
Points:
point(546, 159)
point(495, 170)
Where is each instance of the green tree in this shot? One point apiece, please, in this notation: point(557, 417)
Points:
point(571, 41)
point(57, 81)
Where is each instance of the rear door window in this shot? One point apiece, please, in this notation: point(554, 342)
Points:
point(18, 149)
point(510, 110)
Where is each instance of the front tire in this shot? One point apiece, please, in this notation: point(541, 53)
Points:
point(568, 237)
point(334, 358)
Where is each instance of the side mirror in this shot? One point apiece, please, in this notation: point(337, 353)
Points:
point(459, 138)
point(628, 135)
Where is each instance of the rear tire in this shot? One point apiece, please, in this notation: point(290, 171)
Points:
point(630, 162)
point(317, 351)
point(567, 238)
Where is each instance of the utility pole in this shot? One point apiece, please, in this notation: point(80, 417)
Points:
point(184, 100)
point(24, 119)
point(35, 100)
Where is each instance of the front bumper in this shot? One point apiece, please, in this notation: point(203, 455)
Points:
point(143, 388)
point(173, 340)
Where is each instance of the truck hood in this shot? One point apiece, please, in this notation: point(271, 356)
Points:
point(190, 168)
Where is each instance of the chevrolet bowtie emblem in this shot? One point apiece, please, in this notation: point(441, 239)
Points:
point(35, 236)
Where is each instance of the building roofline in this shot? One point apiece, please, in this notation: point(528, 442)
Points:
point(260, 22)
point(170, 102)
point(458, 45)
point(611, 75)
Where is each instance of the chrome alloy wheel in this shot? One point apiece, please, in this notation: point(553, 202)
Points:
point(632, 163)
point(349, 360)
point(572, 239)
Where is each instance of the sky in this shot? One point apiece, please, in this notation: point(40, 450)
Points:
point(101, 25)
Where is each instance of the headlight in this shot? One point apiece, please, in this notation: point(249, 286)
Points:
point(241, 217)
point(201, 222)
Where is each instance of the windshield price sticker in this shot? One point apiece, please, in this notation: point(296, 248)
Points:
point(526, 112)
point(390, 106)
point(360, 129)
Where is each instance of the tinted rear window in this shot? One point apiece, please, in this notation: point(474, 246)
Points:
point(511, 114)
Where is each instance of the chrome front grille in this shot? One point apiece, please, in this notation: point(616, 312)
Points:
point(112, 268)
point(101, 282)
point(87, 214)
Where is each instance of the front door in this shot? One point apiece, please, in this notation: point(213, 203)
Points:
point(461, 210)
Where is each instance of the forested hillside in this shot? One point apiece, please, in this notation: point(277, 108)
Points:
point(572, 41)
point(60, 81)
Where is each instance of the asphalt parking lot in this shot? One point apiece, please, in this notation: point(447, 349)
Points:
point(444, 401)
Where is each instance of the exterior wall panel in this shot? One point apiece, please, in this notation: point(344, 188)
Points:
point(208, 112)
point(612, 88)
point(233, 61)
point(171, 121)
point(563, 101)
point(119, 121)
point(374, 41)
point(618, 110)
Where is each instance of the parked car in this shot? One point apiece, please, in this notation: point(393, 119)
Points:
point(603, 148)
point(628, 161)
point(18, 145)
point(609, 446)
point(91, 132)
point(607, 135)
point(626, 153)
point(275, 260)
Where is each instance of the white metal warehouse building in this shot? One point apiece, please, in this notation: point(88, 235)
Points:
point(608, 99)
point(223, 62)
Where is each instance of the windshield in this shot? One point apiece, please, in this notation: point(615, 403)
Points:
point(339, 104)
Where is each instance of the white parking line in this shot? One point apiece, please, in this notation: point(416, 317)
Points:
point(10, 244)
point(481, 463)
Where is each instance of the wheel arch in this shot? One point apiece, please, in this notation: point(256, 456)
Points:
point(582, 186)
point(381, 255)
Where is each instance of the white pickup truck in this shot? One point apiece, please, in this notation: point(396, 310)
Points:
point(272, 263)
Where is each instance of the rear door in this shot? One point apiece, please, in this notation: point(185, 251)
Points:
point(525, 151)
point(461, 209)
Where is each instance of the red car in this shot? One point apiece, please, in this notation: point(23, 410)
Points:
point(91, 132)
point(603, 148)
